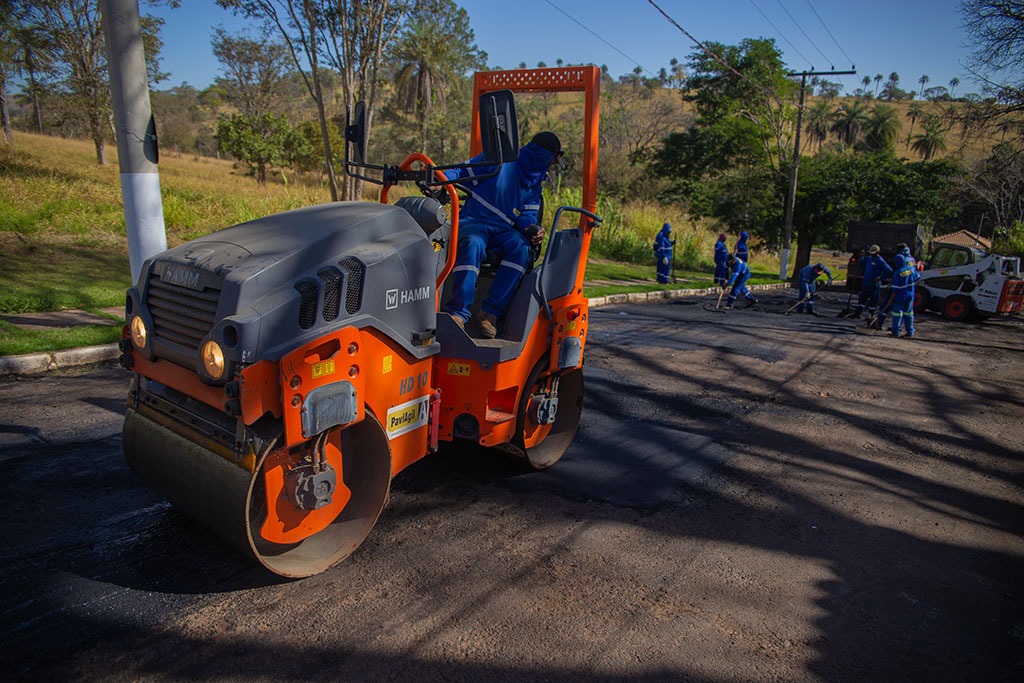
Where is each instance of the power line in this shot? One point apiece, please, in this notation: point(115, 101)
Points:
point(852, 65)
point(800, 28)
point(781, 34)
point(587, 29)
point(711, 53)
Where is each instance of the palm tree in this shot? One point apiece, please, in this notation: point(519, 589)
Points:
point(882, 127)
point(850, 122)
point(878, 82)
point(932, 139)
point(891, 91)
point(953, 83)
point(33, 55)
point(914, 111)
point(819, 121)
point(923, 81)
point(432, 53)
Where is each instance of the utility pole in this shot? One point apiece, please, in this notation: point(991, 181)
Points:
point(787, 233)
point(137, 152)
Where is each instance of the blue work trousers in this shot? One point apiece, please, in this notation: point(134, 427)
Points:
point(510, 245)
point(806, 292)
point(721, 273)
point(903, 312)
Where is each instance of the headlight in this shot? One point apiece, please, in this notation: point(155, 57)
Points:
point(213, 359)
point(138, 330)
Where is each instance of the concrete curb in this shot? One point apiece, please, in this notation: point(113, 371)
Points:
point(36, 363)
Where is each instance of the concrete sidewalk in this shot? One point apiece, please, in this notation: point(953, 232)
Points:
point(35, 363)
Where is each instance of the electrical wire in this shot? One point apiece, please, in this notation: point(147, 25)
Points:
point(800, 28)
point(853, 67)
point(782, 35)
point(711, 53)
point(588, 30)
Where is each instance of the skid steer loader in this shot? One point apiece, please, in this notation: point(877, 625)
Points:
point(285, 369)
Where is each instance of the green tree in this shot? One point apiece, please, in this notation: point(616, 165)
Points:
point(80, 59)
point(914, 112)
point(254, 71)
point(434, 50)
point(932, 139)
point(33, 59)
point(9, 23)
point(836, 188)
point(883, 126)
point(850, 123)
point(728, 164)
point(262, 141)
point(819, 122)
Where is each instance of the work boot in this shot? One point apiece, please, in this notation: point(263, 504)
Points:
point(488, 326)
point(458, 321)
point(751, 300)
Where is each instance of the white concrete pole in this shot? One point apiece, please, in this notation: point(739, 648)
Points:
point(137, 151)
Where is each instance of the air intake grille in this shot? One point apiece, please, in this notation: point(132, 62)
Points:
point(332, 293)
point(307, 307)
point(181, 316)
point(354, 271)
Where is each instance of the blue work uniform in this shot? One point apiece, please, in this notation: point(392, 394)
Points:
point(740, 273)
point(663, 253)
point(741, 250)
point(904, 276)
point(721, 255)
point(499, 216)
point(805, 280)
point(875, 270)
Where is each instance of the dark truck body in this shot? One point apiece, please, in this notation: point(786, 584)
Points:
point(861, 235)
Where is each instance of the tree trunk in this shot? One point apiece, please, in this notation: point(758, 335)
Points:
point(96, 131)
point(318, 96)
point(5, 114)
point(803, 253)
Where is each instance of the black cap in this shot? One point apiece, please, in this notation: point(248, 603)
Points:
point(549, 141)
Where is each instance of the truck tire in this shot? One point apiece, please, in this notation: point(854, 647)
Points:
point(957, 307)
point(922, 300)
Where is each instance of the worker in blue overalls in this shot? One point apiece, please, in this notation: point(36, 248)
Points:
point(806, 280)
point(904, 276)
point(721, 254)
point(663, 253)
point(501, 214)
point(875, 271)
point(740, 273)
point(742, 251)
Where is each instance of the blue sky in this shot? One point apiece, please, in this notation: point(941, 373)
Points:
point(911, 37)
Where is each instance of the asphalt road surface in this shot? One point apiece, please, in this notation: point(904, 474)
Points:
point(751, 496)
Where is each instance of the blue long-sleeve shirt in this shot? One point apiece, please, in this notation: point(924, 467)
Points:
point(511, 198)
point(808, 274)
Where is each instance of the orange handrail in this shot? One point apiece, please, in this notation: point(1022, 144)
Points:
point(586, 79)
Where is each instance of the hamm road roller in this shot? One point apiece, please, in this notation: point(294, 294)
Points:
point(286, 369)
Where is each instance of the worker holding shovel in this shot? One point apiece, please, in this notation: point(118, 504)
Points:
point(740, 273)
point(806, 281)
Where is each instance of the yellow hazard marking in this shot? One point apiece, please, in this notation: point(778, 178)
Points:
point(387, 364)
point(460, 369)
point(323, 369)
point(572, 325)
